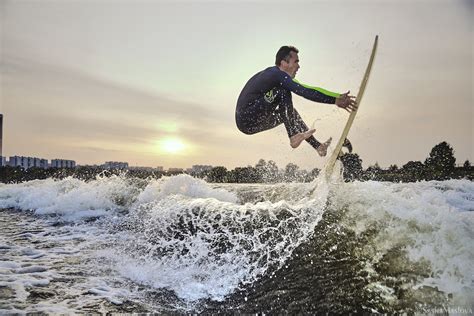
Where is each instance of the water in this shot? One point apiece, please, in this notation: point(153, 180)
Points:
point(180, 244)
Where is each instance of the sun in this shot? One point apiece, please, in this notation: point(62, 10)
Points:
point(171, 145)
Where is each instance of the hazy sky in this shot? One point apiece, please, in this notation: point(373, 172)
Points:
point(155, 83)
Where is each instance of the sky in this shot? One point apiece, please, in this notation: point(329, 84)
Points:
point(155, 83)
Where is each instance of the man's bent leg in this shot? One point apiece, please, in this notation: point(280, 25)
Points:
point(285, 111)
point(297, 139)
point(304, 133)
point(258, 117)
point(295, 126)
point(301, 126)
point(262, 115)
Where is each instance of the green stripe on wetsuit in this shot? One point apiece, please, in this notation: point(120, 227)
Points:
point(323, 91)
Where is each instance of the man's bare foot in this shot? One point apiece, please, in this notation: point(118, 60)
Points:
point(296, 140)
point(323, 148)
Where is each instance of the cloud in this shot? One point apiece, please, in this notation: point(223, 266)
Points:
point(80, 92)
point(58, 105)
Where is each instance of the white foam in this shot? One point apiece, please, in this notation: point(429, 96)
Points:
point(71, 198)
point(75, 199)
point(190, 237)
point(205, 247)
point(113, 295)
point(9, 265)
point(62, 257)
point(183, 185)
point(32, 269)
point(428, 218)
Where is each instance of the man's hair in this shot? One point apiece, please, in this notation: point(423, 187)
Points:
point(284, 54)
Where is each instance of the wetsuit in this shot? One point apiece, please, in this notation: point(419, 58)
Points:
point(265, 102)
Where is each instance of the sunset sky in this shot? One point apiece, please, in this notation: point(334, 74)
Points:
point(155, 83)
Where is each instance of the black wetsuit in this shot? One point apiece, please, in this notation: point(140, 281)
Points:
point(265, 102)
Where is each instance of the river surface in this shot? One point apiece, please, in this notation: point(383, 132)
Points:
point(181, 245)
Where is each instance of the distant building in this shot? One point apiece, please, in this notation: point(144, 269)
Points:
point(197, 169)
point(115, 165)
point(28, 162)
point(62, 163)
point(160, 168)
point(3, 161)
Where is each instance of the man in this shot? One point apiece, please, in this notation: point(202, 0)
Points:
point(265, 101)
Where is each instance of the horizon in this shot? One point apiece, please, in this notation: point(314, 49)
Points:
point(155, 84)
point(49, 160)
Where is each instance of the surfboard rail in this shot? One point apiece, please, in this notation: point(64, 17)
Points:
point(329, 168)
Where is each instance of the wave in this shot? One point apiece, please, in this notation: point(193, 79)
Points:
point(223, 242)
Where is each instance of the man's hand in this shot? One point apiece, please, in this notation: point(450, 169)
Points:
point(347, 102)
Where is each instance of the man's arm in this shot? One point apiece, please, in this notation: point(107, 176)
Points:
point(309, 92)
point(344, 101)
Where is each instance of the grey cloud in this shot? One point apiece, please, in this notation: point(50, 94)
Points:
point(81, 92)
point(55, 100)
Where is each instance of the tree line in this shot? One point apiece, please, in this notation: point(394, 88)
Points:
point(439, 165)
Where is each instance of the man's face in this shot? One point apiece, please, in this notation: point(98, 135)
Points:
point(292, 65)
